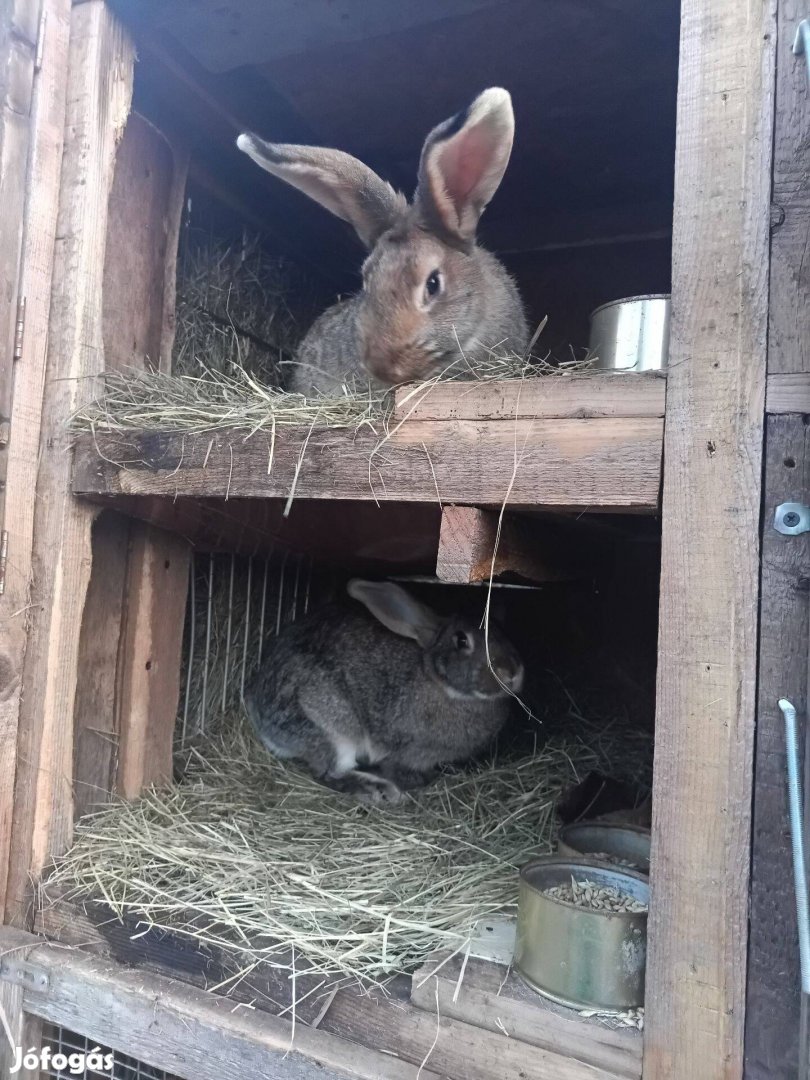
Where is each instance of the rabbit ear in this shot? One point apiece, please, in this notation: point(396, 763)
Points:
point(397, 610)
point(463, 162)
point(338, 181)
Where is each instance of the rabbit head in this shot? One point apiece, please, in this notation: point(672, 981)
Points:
point(430, 294)
point(457, 654)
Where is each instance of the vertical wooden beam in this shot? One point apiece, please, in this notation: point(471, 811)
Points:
point(773, 1012)
point(99, 92)
point(696, 968)
point(132, 627)
point(26, 386)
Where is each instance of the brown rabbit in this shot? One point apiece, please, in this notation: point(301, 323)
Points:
point(431, 297)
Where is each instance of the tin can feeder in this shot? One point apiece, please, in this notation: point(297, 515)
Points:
point(580, 956)
point(627, 847)
point(631, 334)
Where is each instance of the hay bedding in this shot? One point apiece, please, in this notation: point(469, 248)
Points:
point(248, 852)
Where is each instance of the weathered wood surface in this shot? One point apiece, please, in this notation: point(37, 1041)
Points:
point(491, 997)
point(132, 624)
point(44, 162)
point(696, 967)
point(554, 397)
point(541, 1043)
point(468, 539)
point(788, 392)
point(93, 925)
point(186, 1031)
point(98, 97)
point(773, 1007)
point(582, 464)
point(450, 1048)
point(96, 711)
point(151, 667)
point(789, 340)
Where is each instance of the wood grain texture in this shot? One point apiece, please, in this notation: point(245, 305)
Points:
point(491, 997)
point(98, 97)
point(42, 199)
point(134, 614)
point(789, 341)
point(96, 710)
point(773, 1006)
point(152, 643)
point(577, 397)
point(469, 537)
point(456, 1050)
point(696, 968)
point(582, 464)
point(186, 1031)
point(788, 392)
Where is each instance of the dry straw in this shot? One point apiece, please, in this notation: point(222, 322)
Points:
point(248, 853)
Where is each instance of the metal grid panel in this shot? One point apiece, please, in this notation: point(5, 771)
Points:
point(66, 1042)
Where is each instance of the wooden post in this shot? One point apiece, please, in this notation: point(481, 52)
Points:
point(772, 1048)
point(98, 98)
point(26, 387)
point(132, 626)
point(696, 972)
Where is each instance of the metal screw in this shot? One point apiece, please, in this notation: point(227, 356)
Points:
point(791, 519)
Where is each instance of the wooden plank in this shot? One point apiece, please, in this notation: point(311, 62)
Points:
point(96, 712)
point(553, 397)
point(155, 610)
point(453, 1049)
point(789, 339)
point(493, 997)
point(696, 967)
point(186, 1031)
point(99, 90)
point(25, 1031)
point(788, 392)
point(773, 1005)
point(95, 926)
point(134, 614)
point(468, 538)
point(42, 200)
point(580, 464)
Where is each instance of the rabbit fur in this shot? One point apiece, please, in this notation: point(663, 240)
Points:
point(431, 297)
point(373, 696)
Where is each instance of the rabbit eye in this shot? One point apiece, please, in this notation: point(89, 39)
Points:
point(433, 285)
point(461, 641)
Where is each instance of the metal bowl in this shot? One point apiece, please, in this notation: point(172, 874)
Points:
point(631, 334)
point(580, 957)
point(613, 839)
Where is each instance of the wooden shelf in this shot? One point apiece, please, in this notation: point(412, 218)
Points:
point(489, 1028)
point(567, 443)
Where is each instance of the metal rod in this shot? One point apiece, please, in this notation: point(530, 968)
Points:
point(192, 629)
point(797, 840)
point(296, 583)
point(228, 637)
point(204, 703)
point(246, 635)
point(263, 610)
point(280, 607)
point(801, 44)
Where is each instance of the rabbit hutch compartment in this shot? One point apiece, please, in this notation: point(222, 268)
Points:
point(209, 514)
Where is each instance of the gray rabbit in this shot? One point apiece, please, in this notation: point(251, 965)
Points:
point(373, 697)
point(431, 296)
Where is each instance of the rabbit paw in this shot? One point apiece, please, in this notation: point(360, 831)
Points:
point(376, 791)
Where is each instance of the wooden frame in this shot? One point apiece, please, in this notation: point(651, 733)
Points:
point(739, 295)
point(710, 549)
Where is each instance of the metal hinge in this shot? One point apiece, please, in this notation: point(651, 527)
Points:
point(792, 519)
point(19, 329)
point(21, 973)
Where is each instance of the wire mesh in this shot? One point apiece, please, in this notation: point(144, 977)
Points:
point(236, 603)
point(72, 1046)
